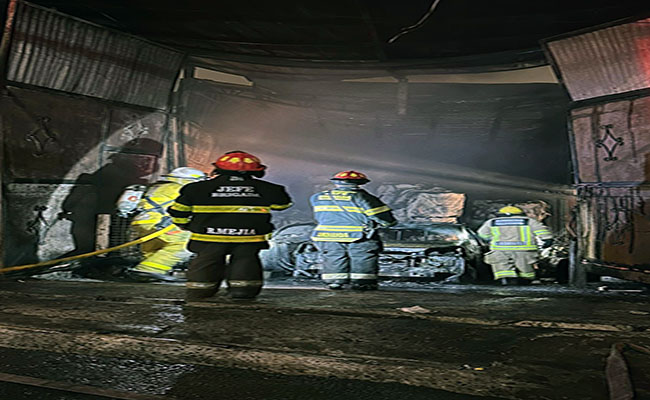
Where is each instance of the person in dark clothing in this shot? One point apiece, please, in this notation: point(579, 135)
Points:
point(346, 234)
point(229, 215)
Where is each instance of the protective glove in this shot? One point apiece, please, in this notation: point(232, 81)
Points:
point(164, 222)
point(547, 243)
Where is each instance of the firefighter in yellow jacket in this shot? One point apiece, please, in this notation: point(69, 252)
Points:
point(164, 252)
point(514, 242)
point(229, 215)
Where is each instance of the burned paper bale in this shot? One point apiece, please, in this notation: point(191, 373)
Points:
point(420, 203)
point(482, 210)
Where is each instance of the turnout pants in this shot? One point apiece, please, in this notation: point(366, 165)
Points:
point(164, 252)
point(512, 264)
point(355, 262)
point(243, 271)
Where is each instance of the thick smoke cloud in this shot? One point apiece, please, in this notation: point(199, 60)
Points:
point(484, 140)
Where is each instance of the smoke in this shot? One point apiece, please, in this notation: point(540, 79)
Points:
point(491, 142)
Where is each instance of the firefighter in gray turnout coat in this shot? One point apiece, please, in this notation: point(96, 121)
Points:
point(228, 215)
point(346, 232)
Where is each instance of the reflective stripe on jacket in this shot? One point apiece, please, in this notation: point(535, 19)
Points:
point(514, 233)
point(229, 209)
point(153, 204)
point(347, 215)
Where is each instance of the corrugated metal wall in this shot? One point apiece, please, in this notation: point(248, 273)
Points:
point(614, 225)
point(59, 52)
point(70, 154)
point(607, 61)
point(611, 141)
point(71, 151)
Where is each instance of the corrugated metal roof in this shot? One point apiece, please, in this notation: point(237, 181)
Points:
point(343, 33)
point(604, 62)
point(55, 51)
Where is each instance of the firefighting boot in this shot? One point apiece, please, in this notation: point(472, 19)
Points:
point(364, 286)
point(508, 281)
point(146, 276)
point(193, 294)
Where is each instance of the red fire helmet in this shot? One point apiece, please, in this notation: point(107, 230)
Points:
point(239, 161)
point(351, 176)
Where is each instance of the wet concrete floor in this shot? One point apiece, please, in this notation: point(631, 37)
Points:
point(298, 341)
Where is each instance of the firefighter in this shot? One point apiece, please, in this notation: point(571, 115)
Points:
point(164, 252)
point(346, 234)
point(229, 215)
point(514, 243)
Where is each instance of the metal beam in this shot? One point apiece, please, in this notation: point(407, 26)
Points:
point(8, 22)
point(174, 41)
point(621, 272)
point(2, 195)
point(492, 62)
point(372, 30)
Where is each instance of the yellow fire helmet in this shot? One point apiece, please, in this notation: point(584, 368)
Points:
point(511, 210)
point(184, 175)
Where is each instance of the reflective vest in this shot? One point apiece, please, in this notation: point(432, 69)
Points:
point(514, 233)
point(229, 209)
point(348, 215)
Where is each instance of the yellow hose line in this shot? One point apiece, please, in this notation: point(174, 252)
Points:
point(94, 253)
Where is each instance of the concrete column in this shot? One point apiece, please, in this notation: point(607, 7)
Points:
point(2, 203)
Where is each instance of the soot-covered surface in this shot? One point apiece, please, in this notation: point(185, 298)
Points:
point(301, 341)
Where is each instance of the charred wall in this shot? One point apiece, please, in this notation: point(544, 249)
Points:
point(85, 112)
point(67, 159)
point(606, 71)
point(612, 142)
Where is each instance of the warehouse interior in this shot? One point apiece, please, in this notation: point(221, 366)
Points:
point(454, 109)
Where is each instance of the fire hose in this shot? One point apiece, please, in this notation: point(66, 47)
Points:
point(94, 253)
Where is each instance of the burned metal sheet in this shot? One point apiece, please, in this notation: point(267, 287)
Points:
point(614, 225)
point(136, 130)
point(612, 141)
point(46, 221)
point(607, 61)
point(201, 147)
point(55, 51)
point(612, 156)
point(38, 229)
point(51, 136)
point(200, 142)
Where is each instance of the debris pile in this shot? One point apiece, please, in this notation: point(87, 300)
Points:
point(422, 203)
point(482, 210)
